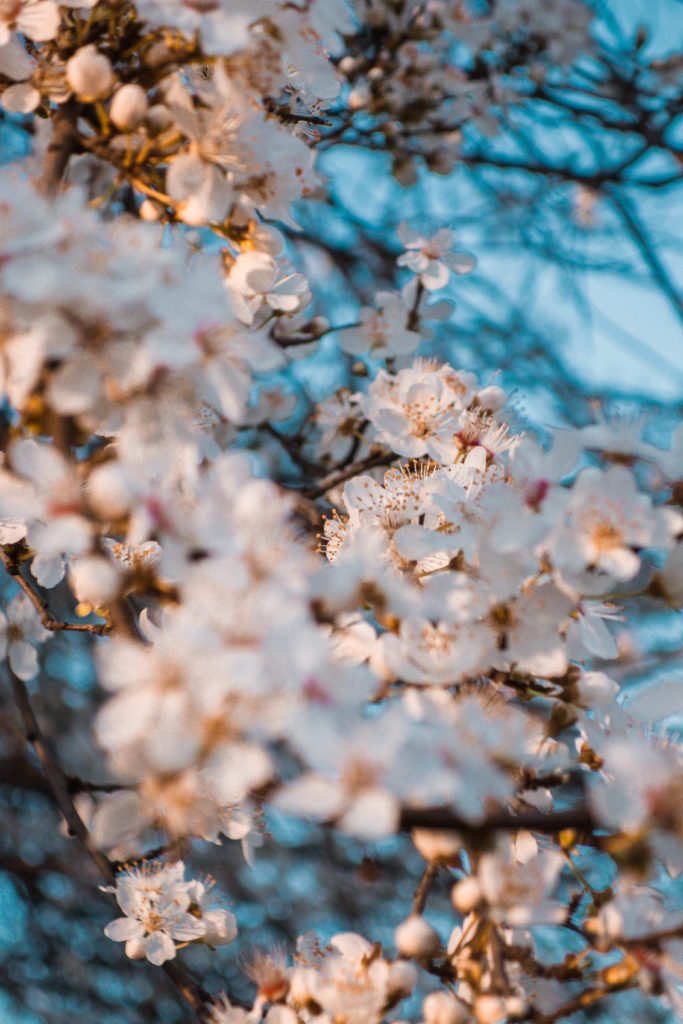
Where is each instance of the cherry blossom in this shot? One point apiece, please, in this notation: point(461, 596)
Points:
point(382, 331)
point(432, 258)
point(606, 520)
point(162, 909)
point(349, 974)
point(20, 633)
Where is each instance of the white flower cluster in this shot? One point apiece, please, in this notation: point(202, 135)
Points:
point(162, 909)
point(225, 154)
point(347, 977)
point(192, 715)
point(124, 340)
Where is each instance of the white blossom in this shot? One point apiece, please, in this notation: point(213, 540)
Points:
point(156, 902)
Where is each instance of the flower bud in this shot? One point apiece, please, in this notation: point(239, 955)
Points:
point(128, 107)
point(596, 689)
point(158, 118)
point(515, 1006)
point(414, 937)
point(359, 97)
point(107, 491)
point(151, 210)
point(466, 894)
point(442, 1008)
point(94, 580)
point(89, 73)
point(348, 65)
point(491, 398)
point(402, 979)
point(436, 844)
point(489, 1009)
point(620, 973)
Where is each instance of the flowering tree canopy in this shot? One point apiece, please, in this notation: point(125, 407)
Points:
point(286, 563)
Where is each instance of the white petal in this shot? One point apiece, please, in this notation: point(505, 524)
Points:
point(187, 928)
point(460, 262)
point(23, 659)
point(14, 61)
point(657, 701)
point(75, 387)
point(159, 947)
point(40, 21)
point(373, 814)
point(48, 570)
point(21, 98)
point(311, 794)
point(124, 928)
point(119, 816)
point(435, 276)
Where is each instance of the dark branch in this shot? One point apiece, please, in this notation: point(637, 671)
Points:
point(579, 818)
point(189, 989)
point(647, 250)
point(423, 888)
point(378, 458)
point(63, 143)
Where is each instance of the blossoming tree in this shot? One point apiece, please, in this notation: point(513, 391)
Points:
point(245, 598)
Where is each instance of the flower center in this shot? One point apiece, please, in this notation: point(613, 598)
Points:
point(605, 536)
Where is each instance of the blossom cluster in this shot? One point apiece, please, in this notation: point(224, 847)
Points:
point(471, 568)
point(161, 908)
point(210, 128)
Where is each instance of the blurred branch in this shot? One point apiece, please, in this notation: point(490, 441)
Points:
point(424, 885)
point(189, 989)
point(56, 778)
point(62, 144)
point(647, 251)
point(578, 817)
point(581, 1002)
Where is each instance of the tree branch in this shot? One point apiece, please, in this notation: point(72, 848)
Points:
point(578, 817)
point(56, 778)
point(10, 560)
point(646, 249)
point(423, 887)
point(585, 999)
point(378, 458)
point(189, 989)
point(62, 144)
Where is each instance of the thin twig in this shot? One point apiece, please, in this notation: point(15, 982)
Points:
point(292, 446)
point(423, 887)
point(56, 777)
point(78, 785)
point(10, 560)
point(498, 972)
point(413, 321)
point(585, 999)
point(646, 249)
point(189, 989)
point(378, 458)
